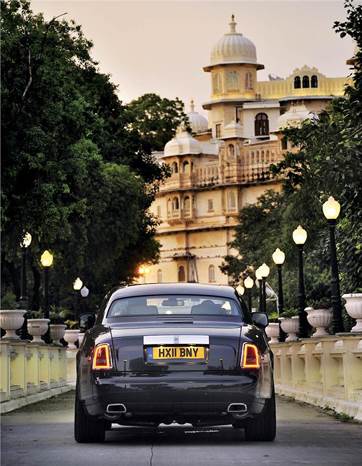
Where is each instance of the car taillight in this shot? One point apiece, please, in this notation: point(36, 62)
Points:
point(102, 357)
point(250, 358)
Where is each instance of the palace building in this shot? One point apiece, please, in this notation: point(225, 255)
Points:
point(223, 165)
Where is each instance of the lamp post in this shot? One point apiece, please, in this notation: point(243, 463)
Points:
point(259, 277)
point(279, 258)
point(46, 260)
point(77, 286)
point(331, 210)
point(265, 270)
point(299, 238)
point(24, 244)
point(249, 283)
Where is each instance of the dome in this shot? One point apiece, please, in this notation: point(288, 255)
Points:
point(233, 47)
point(198, 122)
point(182, 144)
point(294, 116)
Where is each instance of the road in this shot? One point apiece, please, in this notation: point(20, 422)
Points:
point(42, 435)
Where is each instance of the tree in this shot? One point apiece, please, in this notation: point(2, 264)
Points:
point(78, 171)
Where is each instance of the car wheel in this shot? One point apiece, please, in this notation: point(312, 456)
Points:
point(263, 427)
point(87, 429)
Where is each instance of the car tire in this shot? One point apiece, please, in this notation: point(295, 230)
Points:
point(262, 428)
point(87, 429)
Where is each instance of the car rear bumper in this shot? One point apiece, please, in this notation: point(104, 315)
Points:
point(181, 397)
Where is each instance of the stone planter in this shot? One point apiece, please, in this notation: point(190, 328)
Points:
point(37, 328)
point(291, 327)
point(10, 321)
point(320, 319)
point(71, 336)
point(80, 338)
point(57, 333)
point(354, 309)
point(272, 331)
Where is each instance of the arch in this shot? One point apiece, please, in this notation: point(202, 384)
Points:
point(231, 151)
point(232, 80)
point(248, 81)
point(159, 276)
point(186, 167)
point(187, 205)
point(216, 83)
point(314, 81)
point(175, 203)
point(261, 124)
point(169, 206)
point(231, 200)
point(174, 167)
point(212, 274)
point(305, 81)
point(181, 274)
point(297, 82)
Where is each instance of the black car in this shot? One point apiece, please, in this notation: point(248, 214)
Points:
point(184, 353)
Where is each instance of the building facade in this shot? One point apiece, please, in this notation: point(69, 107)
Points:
point(223, 165)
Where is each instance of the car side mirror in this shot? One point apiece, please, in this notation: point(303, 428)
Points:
point(86, 321)
point(260, 319)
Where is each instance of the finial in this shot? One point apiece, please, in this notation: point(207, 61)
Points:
point(192, 105)
point(232, 24)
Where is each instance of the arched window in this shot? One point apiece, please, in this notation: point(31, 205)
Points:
point(187, 205)
point(175, 204)
point(305, 81)
point(232, 80)
point(186, 167)
point(181, 274)
point(314, 81)
point(216, 83)
point(231, 151)
point(261, 124)
point(159, 276)
point(169, 206)
point(231, 200)
point(297, 84)
point(212, 274)
point(174, 167)
point(248, 81)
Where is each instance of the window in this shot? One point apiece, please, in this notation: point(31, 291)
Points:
point(248, 81)
point(175, 204)
point(232, 80)
point(314, 81)
point(261, 124)
point(210, 205)
point(231, 151)
point(284, 144)
point(187, 206)
point(186, 167)
point(158, 211)
point(216, 83)
point(305, 81)
point(159, 276)
point(297, 84)
point(211, 274)
point(174, 167)
point(231, 200)
point(238, 111)
point(218, 130)
point(169, 207)
point(181, 274)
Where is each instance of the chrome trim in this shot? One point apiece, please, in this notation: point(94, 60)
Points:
point(110, 408)
point(237, 408)
point(176, 340)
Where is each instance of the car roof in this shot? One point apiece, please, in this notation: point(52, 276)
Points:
point(174, 288)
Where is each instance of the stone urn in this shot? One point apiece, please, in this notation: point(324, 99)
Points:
point(354, 308)
point(37, 328)
point(272, 331)
point(290, 326)
point(71, 336)
point(80, 338)
point(320, 319)
point(11, 320)
point(57, 333)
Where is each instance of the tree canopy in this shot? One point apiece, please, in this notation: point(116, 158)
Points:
point(77, 168)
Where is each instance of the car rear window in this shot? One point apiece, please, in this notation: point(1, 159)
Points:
point(174, 305)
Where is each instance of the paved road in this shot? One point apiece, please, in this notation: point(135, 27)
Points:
point(42, 435)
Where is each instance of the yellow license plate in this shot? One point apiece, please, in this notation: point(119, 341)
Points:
point(178, 352)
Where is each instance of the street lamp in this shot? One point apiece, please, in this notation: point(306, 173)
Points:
point(240, 289)
point(249, 283)
point(24, 244)
point(77, 286)
point(279, 258)
point(265, 270)
point(46, 260)
point(299, 238)
point(259, 277)
point(331, 210)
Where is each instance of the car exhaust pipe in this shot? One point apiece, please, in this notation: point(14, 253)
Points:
point(116, 408)
point(237, 408)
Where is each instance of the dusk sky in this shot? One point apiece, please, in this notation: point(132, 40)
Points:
point(162, 46)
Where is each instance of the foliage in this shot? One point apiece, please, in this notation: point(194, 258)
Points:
point(288, 313)
point(8, 301)
point(328, 162)
point(77, 172)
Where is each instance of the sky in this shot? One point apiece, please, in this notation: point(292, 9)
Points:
point(161, 47)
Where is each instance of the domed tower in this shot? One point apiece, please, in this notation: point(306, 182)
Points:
point(233, 67)
point(197, 121)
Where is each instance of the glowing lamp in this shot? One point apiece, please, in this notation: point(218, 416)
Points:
point(278, 257)
point(26, 241)
point(248, 282)
point(258, 273)
point(331, 209)
point(46, 259)
point(299, 235)
point(265, 270)
point(84, 292)
point(240, 289)
point(77, 285)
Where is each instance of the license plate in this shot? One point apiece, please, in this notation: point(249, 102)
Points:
point(178, 352)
